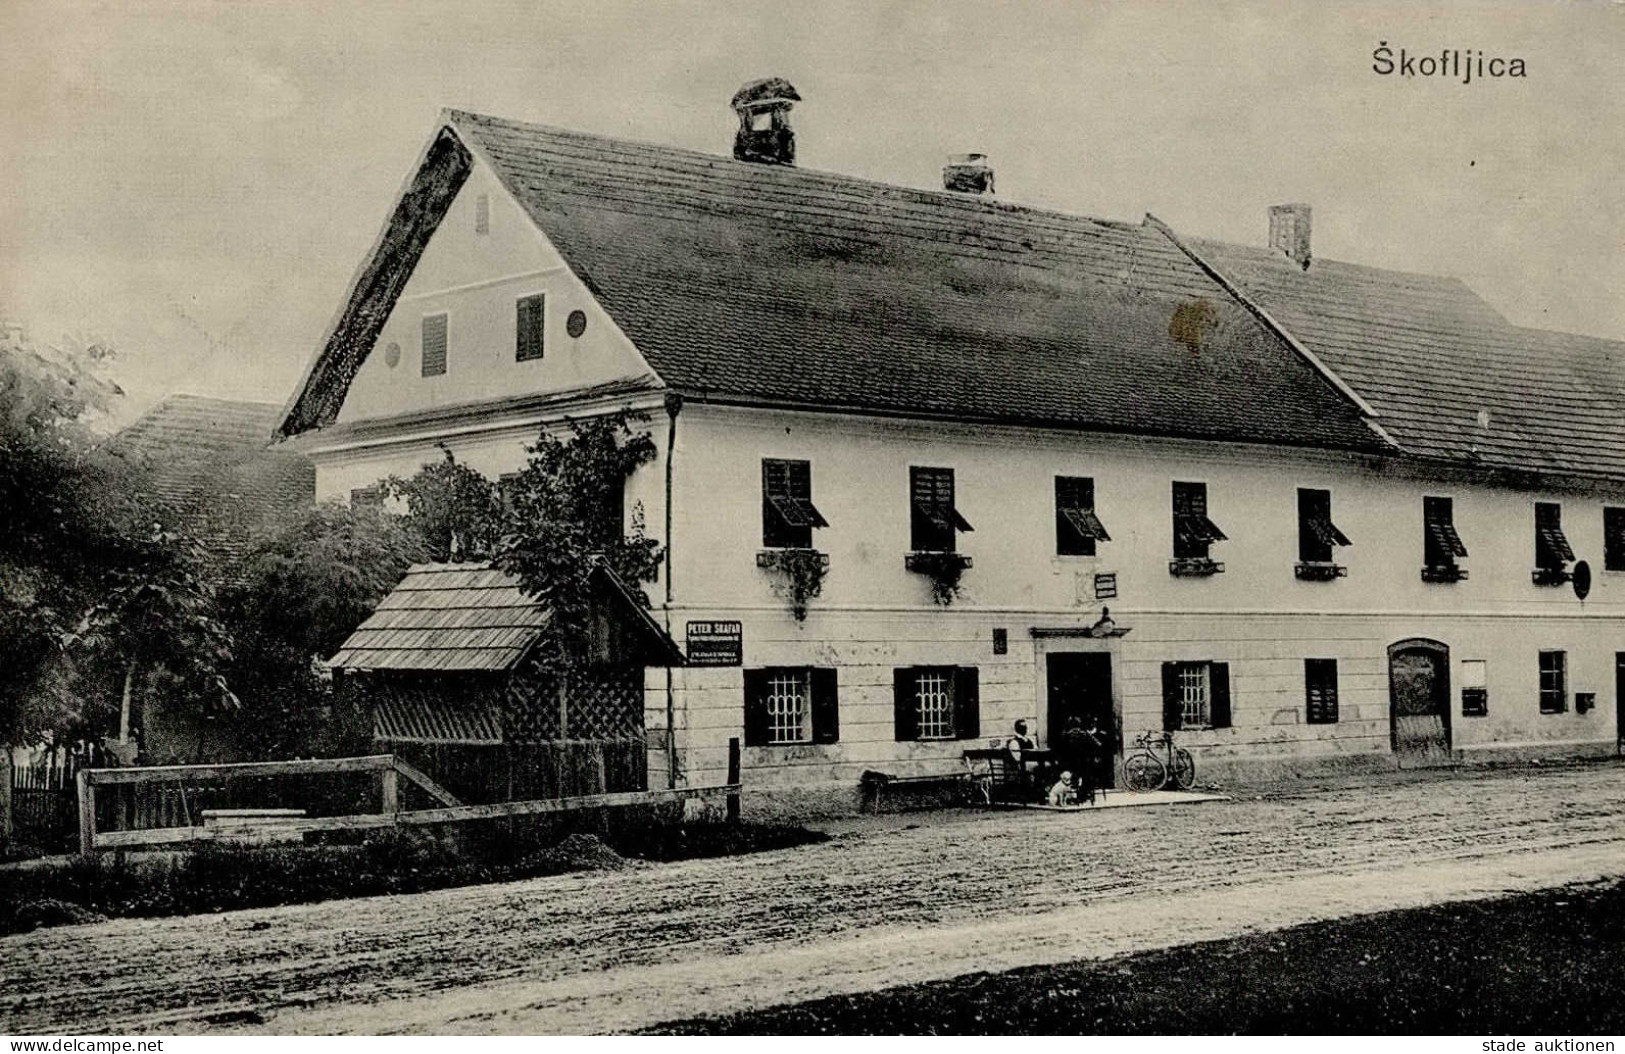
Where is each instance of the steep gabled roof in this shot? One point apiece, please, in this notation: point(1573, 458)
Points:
point(781, 286)
point(1428, 354)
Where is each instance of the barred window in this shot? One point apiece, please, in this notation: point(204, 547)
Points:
point(937, 702)
point(935, 705)
point(1195, 695)
point(1554, 686)
point(789, 707)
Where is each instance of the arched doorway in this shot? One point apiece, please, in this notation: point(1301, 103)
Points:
point(1419, 700)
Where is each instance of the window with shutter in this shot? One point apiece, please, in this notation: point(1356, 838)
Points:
point(937, 703)
point(530, 312)
point(789, 705)
point(1077, 526)
point(1194, 533)
point(1441, 545)
point(1551, 546)
point(934, 519)
point(434, 345)
point(788, 513)
point(1320, 690)
point(1195, 695)
point(1317, 535)
point(1613, 539)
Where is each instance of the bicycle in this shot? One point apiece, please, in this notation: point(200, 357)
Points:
point(1143, 770)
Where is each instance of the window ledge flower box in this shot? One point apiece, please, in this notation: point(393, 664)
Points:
point(1550, 576)
point(787, 559)
point(1315, 571)
point(1444, 573)
point(930, 563)
point(1194, 567)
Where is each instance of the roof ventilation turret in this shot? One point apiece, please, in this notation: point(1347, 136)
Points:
point(764, 134)
point(1289, 232)
point(968, 173)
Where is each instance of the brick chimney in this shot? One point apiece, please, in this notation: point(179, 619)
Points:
point(764, 135)
point(1289, 232)
point(968, 173)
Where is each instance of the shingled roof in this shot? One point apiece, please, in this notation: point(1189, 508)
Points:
point(1429, 355)
point(782, 286)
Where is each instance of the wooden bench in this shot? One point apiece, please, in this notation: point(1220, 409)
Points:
point(876, 783)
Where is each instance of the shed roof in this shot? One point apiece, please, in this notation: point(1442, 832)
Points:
point(469, 617)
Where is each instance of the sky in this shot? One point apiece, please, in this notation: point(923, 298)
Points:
point(196, 181)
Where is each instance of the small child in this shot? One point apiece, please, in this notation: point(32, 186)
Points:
point(1062, 793)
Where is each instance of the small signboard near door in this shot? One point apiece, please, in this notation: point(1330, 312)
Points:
point(716, 643)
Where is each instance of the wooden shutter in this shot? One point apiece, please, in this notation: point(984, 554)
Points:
point(756, 720)
point(907, 715)
point(932, 519)
point(1219, 705)
point(826, 716)
point(528, 321)
point(967, 703)
point(434, 345)
point(1172, 711)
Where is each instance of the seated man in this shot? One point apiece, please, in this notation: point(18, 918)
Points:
point(1021, 741)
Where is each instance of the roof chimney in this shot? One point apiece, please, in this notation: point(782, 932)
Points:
point(1289, 232)
point(968, 173)
point(764, 134)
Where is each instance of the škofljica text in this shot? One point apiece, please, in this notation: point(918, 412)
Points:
point(1465, 65)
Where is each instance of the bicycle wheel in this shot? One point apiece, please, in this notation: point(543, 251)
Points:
point(1184, 774)
point(1142, 772)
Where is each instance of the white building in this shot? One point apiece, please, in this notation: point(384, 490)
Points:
point(1339, 515)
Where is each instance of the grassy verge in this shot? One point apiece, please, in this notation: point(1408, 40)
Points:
point(224, 876)
point(1543, 962)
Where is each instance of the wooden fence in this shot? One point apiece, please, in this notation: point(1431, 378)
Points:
point(386, 768)
point(43, 802)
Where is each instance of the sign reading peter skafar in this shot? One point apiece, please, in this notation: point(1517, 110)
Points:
point(716, 643)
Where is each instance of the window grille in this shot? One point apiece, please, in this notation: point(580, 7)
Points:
point(1196, 695)
point(789, 707)
point(934, 698)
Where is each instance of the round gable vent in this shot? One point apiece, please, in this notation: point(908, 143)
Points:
point(392, 355)
point(576, 324)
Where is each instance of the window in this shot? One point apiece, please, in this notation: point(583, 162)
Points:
point(1613, 539)
point(482, 214)
point(1193, 531)
point(1475, 692)
point(505, 486)
point(1554, 678)
point(1551, 547)
point(937, 702)
point(1441, 545)
point(1077, 528)
point(786, 705)
point(1195, 695)
point(367, 497)
point(788, 514)
point(933, 518)
point(434, 345)
point(1316, 532)
point(1320, 691)
point(528, 345)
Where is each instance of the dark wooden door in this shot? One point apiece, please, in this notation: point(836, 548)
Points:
point(1419, 700)
point(1619, 699)
point(1082, 725)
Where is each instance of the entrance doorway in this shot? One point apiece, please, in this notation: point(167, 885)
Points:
point(1419, 700)
point(1080, 698)
point(1619, 700)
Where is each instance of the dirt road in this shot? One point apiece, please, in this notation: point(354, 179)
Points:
point(890, 901)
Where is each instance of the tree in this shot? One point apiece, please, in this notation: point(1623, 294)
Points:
point(456, 510)
point(565, 511)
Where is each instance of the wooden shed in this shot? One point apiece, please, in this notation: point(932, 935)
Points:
point(447, 668)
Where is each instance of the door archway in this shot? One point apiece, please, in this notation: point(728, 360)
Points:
point(1419, 700)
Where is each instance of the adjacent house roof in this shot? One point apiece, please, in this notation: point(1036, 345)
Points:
point(472, 617)
point(1429, 355)
point(777, 285)
point(213, 467)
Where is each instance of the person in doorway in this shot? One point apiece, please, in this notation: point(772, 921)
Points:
point(1082, 745)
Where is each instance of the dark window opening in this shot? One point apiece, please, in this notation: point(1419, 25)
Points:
point(1613, 539)
point(1554, 682)
point(1193, 531)
point(787, 705)
point(529, 311)
point(935, 703)
point(1195, 695)
point(1441, 545)
point(1077, 527)
point(934, 521)
point(1320, 690)
point(434, 345)
point(788, 513)
point(1551, 547)
point(1317, 535)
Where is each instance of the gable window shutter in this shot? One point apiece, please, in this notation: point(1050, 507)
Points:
point(434, 345)
point(826, 716)
point(906, 719)
point(757, 732)
point(967, 703)
point(529, 313)
point(1220, 678)
point(1172, 710)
